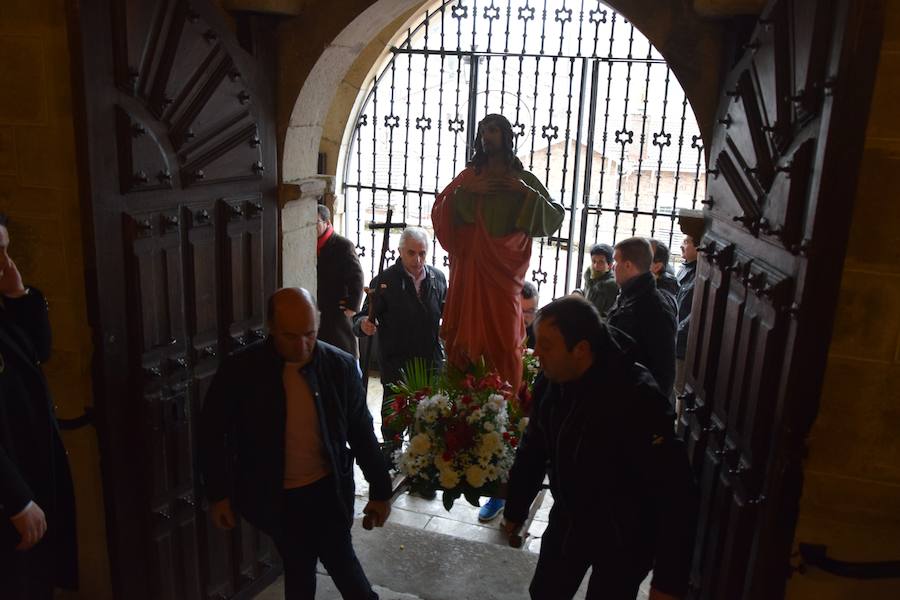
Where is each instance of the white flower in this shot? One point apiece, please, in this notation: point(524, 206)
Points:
point(488, 426)
point(496, 402)
point(475, 416)
point(407, 464)
point(475, 475)
point(523, 423)
point(449, 478)
point(420, 444)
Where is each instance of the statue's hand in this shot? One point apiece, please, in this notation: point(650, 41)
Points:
point(480, 186)
point(507, 184)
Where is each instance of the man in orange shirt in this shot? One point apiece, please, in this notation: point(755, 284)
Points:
point(292, 411)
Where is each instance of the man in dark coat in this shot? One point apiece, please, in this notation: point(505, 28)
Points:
point(692, 225)
point(530, 299)
point(339, 281)
point(38, 548)
point(600, 287)
point(662, 272)
point(406, 303)
point(274, 434)
point(625, 501)
point(643, 312)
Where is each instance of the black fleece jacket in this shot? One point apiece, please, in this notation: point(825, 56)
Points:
point(622, 487)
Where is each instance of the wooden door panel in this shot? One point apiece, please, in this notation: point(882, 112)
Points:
point(244, 302)
point(202, 275)
point(154, 292)
point(143, 163)
point(765, 290)
point(186, 119)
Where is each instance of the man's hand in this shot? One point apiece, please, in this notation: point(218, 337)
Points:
point(10, 280)
point(377, 512)
point(368, 327)
point(222, 515)
point(31, 524)
point(655, 594)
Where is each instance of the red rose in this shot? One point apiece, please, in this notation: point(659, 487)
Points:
point(466, 399)
point(458, 437)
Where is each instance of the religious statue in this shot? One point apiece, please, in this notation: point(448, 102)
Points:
point(485, 219)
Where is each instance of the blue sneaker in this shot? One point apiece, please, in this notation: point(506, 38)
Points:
point(491, 509)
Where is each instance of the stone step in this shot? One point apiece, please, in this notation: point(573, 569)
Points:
point(406, 563)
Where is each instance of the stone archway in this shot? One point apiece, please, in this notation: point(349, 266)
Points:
point(325, 101)
point(674, 28)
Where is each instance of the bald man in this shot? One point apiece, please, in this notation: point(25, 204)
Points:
point(292, 411)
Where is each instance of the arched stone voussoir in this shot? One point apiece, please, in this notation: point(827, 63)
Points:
point(310, 110)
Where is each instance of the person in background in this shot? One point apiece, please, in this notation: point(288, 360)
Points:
point(405, 302)
point(644, 312)
point(665, 280)
point(339, 284)
point(600, 287)
point(38, 544)
point(530, 298)
point(693, 225)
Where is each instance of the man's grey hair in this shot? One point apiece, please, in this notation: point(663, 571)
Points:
point(416, 233)
point(324, 213)
point(529, 291)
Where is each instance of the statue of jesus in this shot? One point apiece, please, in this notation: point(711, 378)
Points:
point(485, 220)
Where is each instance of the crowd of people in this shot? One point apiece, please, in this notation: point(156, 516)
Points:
point(285, 419)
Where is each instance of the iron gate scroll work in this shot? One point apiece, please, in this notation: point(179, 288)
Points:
point(597, 113)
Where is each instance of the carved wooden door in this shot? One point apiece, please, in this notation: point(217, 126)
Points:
point(179, 148)
point(783, 167)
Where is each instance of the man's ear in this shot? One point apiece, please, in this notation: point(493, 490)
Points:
point(581, 349)
point(656, 268)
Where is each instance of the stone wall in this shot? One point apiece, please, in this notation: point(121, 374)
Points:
point(39, 190)
point(851, 496)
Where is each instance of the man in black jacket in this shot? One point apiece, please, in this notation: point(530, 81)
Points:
point(665, 277)
point(38, 547)
point(599, 283)
point(274, 434)
point(339, 284)
point(624, 497)
point(692, 225)
point(406, 302)
point(643, 312)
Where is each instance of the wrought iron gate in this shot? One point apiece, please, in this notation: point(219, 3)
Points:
point(597, 113)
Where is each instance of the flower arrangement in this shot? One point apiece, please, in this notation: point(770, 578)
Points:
point(462, 428)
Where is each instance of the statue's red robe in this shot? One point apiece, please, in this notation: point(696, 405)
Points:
point(488, 239)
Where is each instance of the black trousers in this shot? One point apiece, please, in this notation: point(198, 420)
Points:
point(21, 578)
point(316, 528)
point(559, 574)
